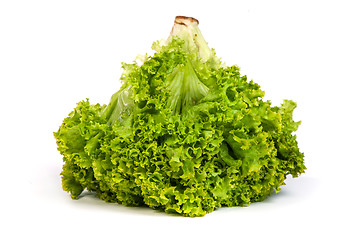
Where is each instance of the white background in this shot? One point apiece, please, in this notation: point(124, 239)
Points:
point(54, 54)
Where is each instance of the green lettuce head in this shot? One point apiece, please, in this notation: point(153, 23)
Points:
point(185, 134)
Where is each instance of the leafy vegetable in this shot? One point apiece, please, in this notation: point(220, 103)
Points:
point(185, 134)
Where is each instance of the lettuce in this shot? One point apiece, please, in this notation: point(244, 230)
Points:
point(185, 134)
